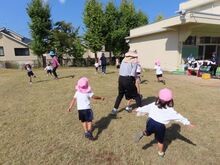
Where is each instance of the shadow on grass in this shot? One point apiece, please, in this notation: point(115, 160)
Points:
point(145, 101)
point(52, 79)
point(110, 72)
point(144, 81)
point(103, 124)
point(172, 133)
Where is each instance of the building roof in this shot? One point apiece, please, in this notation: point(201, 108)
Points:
point(169, 24)
point(15, 36)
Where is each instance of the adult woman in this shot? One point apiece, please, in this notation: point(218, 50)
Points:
point(126, 82)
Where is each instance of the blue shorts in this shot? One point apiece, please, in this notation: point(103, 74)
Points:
point(157, 128)
point(85, 115)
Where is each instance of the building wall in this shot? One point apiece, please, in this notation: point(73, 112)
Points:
point(212, 8)
point(9, 53)
point(162, 46)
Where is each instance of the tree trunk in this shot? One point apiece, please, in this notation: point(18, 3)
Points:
point(110, 57)
point(44, 61)
point(95, 55)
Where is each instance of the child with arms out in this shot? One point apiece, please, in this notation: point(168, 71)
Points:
point(82, 97)
point(160, 113)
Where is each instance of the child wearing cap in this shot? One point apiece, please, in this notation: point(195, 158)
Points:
point(160, 113)
point(159, 72)
point(82, 97)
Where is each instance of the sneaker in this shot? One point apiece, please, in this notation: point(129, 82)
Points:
point(128, 109)
point(138, 137)
point(161, 154)
point(114, 111)
point(90, 137)
point(87, 134)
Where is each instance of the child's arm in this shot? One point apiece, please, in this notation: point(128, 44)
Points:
point(97, 97)
point(72, 103)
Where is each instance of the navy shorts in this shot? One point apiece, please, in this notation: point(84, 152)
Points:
point(30, 74)
point(85, 115)
point(159, 75)
point(157, 128)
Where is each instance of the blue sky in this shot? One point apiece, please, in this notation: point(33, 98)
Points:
point(13, 12)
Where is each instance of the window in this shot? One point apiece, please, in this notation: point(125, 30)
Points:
point(22, 52)
point(191, 40)
point(1, 51)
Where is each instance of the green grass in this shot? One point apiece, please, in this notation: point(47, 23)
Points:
point(36, 129)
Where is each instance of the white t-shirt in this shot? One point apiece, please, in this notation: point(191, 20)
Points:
point(96, 64)
point(83, 100)
point(158, 70)
point(48, 68)
point(162, 115)
point(138, 70)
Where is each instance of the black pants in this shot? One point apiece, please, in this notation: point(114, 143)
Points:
point(126, 86)
point(54, 72)
point(213, 69)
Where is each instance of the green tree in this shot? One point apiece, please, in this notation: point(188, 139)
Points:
point(128, 19)
point(110, 26)
point(65, 40)
point(158, 18)
point(40, 26)
point(93, 20)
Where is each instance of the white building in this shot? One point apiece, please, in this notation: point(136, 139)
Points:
point(195, 30)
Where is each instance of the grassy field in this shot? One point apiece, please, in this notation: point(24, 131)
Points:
point(36, 129)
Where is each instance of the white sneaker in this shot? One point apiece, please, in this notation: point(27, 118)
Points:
point(114, 111)
point(128, 108)
point(161, 154)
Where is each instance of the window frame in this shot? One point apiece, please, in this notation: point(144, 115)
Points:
point(2, 51)
point(23, 54)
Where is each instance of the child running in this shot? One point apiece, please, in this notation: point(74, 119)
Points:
point(49, 69)
point(30, 73)
point(82, 97)
point(160, 113)
point(159, 72)
point(96, 65)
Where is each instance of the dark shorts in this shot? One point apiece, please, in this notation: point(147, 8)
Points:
point(127, 87)
point(30, 74)
point(157, 128)
point(49, 71)
point(85, 115)
point(159, 75)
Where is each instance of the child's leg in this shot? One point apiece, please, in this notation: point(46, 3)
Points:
point(85, 127)
point(160, 147)
point(89, 126)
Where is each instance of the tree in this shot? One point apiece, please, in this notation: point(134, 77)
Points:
point(109, 26)
point(160, 17)
point(93, 19)
point(65, 40)
point(128, 19)
point(40, 26)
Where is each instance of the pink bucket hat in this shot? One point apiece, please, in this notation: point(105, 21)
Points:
point(83, 85)
point(165, 94)
point(157, 62)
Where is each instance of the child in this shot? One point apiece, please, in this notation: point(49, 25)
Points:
point(82, 97)
point(96, 65)
point(49, 69)
point(159, 72)
point(160, 113)
point(29, 72)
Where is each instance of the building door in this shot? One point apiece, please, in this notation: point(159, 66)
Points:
point(209, 49)
point(218, 54)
